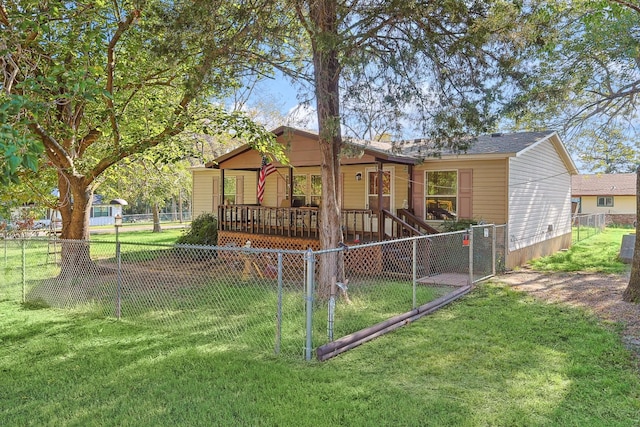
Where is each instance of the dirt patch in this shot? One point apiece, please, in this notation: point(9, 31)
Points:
point(600, 294)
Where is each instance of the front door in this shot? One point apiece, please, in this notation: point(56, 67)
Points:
point(373, 187)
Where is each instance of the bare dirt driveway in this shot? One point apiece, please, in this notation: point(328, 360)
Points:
point(600, 294)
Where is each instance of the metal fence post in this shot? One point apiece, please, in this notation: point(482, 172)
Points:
point(493, 250)
point(414, 272)
point(24, 271)
point(119, 284)
point(310, 268)
point(506, 245)
point(279, 309)
point(471, 256)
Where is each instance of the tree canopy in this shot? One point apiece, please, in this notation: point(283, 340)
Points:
point(584, 78)
point(92, 84)
point(584, 68)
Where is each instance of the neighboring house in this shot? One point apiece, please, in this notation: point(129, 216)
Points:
point(522, 179)
point(103, 213)
point(611, 194)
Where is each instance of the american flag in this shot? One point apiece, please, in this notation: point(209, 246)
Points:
point(266, 169)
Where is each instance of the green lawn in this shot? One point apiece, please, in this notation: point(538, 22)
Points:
point(166, 237)
point(494, 358)
point(597, 254)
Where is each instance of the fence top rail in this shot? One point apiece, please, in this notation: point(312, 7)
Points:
point(427, 237)
point(483, 225)
point(245, 249)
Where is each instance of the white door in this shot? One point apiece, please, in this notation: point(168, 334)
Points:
point(373, 185)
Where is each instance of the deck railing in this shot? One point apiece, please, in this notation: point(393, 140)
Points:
point(415, 222)
point(292, 222)
point(358, 225)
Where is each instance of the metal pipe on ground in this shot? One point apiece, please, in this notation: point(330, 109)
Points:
point(348, 342)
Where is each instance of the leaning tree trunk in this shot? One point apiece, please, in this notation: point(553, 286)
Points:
point(74, 204)
point(632, 293)
point(156, 218)
point(327, 74)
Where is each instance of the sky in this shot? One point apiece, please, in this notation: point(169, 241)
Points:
point(281, 94)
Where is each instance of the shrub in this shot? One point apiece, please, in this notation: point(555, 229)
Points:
point(203, 231)
point(457, 225)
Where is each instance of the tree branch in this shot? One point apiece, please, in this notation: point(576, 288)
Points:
point(87, 140)
point(111, 63)
point(57, 151)
point(628, 5)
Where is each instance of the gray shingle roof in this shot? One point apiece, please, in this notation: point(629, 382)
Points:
point(499, 143)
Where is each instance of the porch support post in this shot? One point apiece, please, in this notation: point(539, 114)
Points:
point(380, 193)
point(410, 189)
point(290, 187)
point(221, 195)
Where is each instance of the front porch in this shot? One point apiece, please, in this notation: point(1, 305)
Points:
point(301, 222)
point(286, 223)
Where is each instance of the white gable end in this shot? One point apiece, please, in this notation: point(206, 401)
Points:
point(539, 196)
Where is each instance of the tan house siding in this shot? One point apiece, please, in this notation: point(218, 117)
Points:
point(489, 202)
point(203, 190)
point(488, 193)
point(206, 184)
point(539, 196)
point(354, 191)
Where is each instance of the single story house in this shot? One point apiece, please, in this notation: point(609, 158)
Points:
point(396, 189)
point(610, 194)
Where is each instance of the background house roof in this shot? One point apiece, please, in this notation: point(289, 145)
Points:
point(619, 184)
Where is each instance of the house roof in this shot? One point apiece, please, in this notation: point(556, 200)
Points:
point(379, 150)
point(619, 184)
point(372, 148)
point(496, 143)
point(414, 151)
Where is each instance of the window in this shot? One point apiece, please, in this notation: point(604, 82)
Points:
point(373, 187)
point(307, 190)
point(605, 201)
point(230, 184)
point(299, 190)
point(441, 195)
point(316, 190)
point(100, 211)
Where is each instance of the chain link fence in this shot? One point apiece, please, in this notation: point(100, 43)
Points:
point(587, 225)
point(271, 301)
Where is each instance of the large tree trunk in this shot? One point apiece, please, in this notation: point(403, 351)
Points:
point(327, 73)
point(156, 218)
point(74, 203)
point(632, 293)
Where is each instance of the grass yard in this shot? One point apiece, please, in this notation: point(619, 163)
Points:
point(597, 254)
point(166, 237)
point(496, 357)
